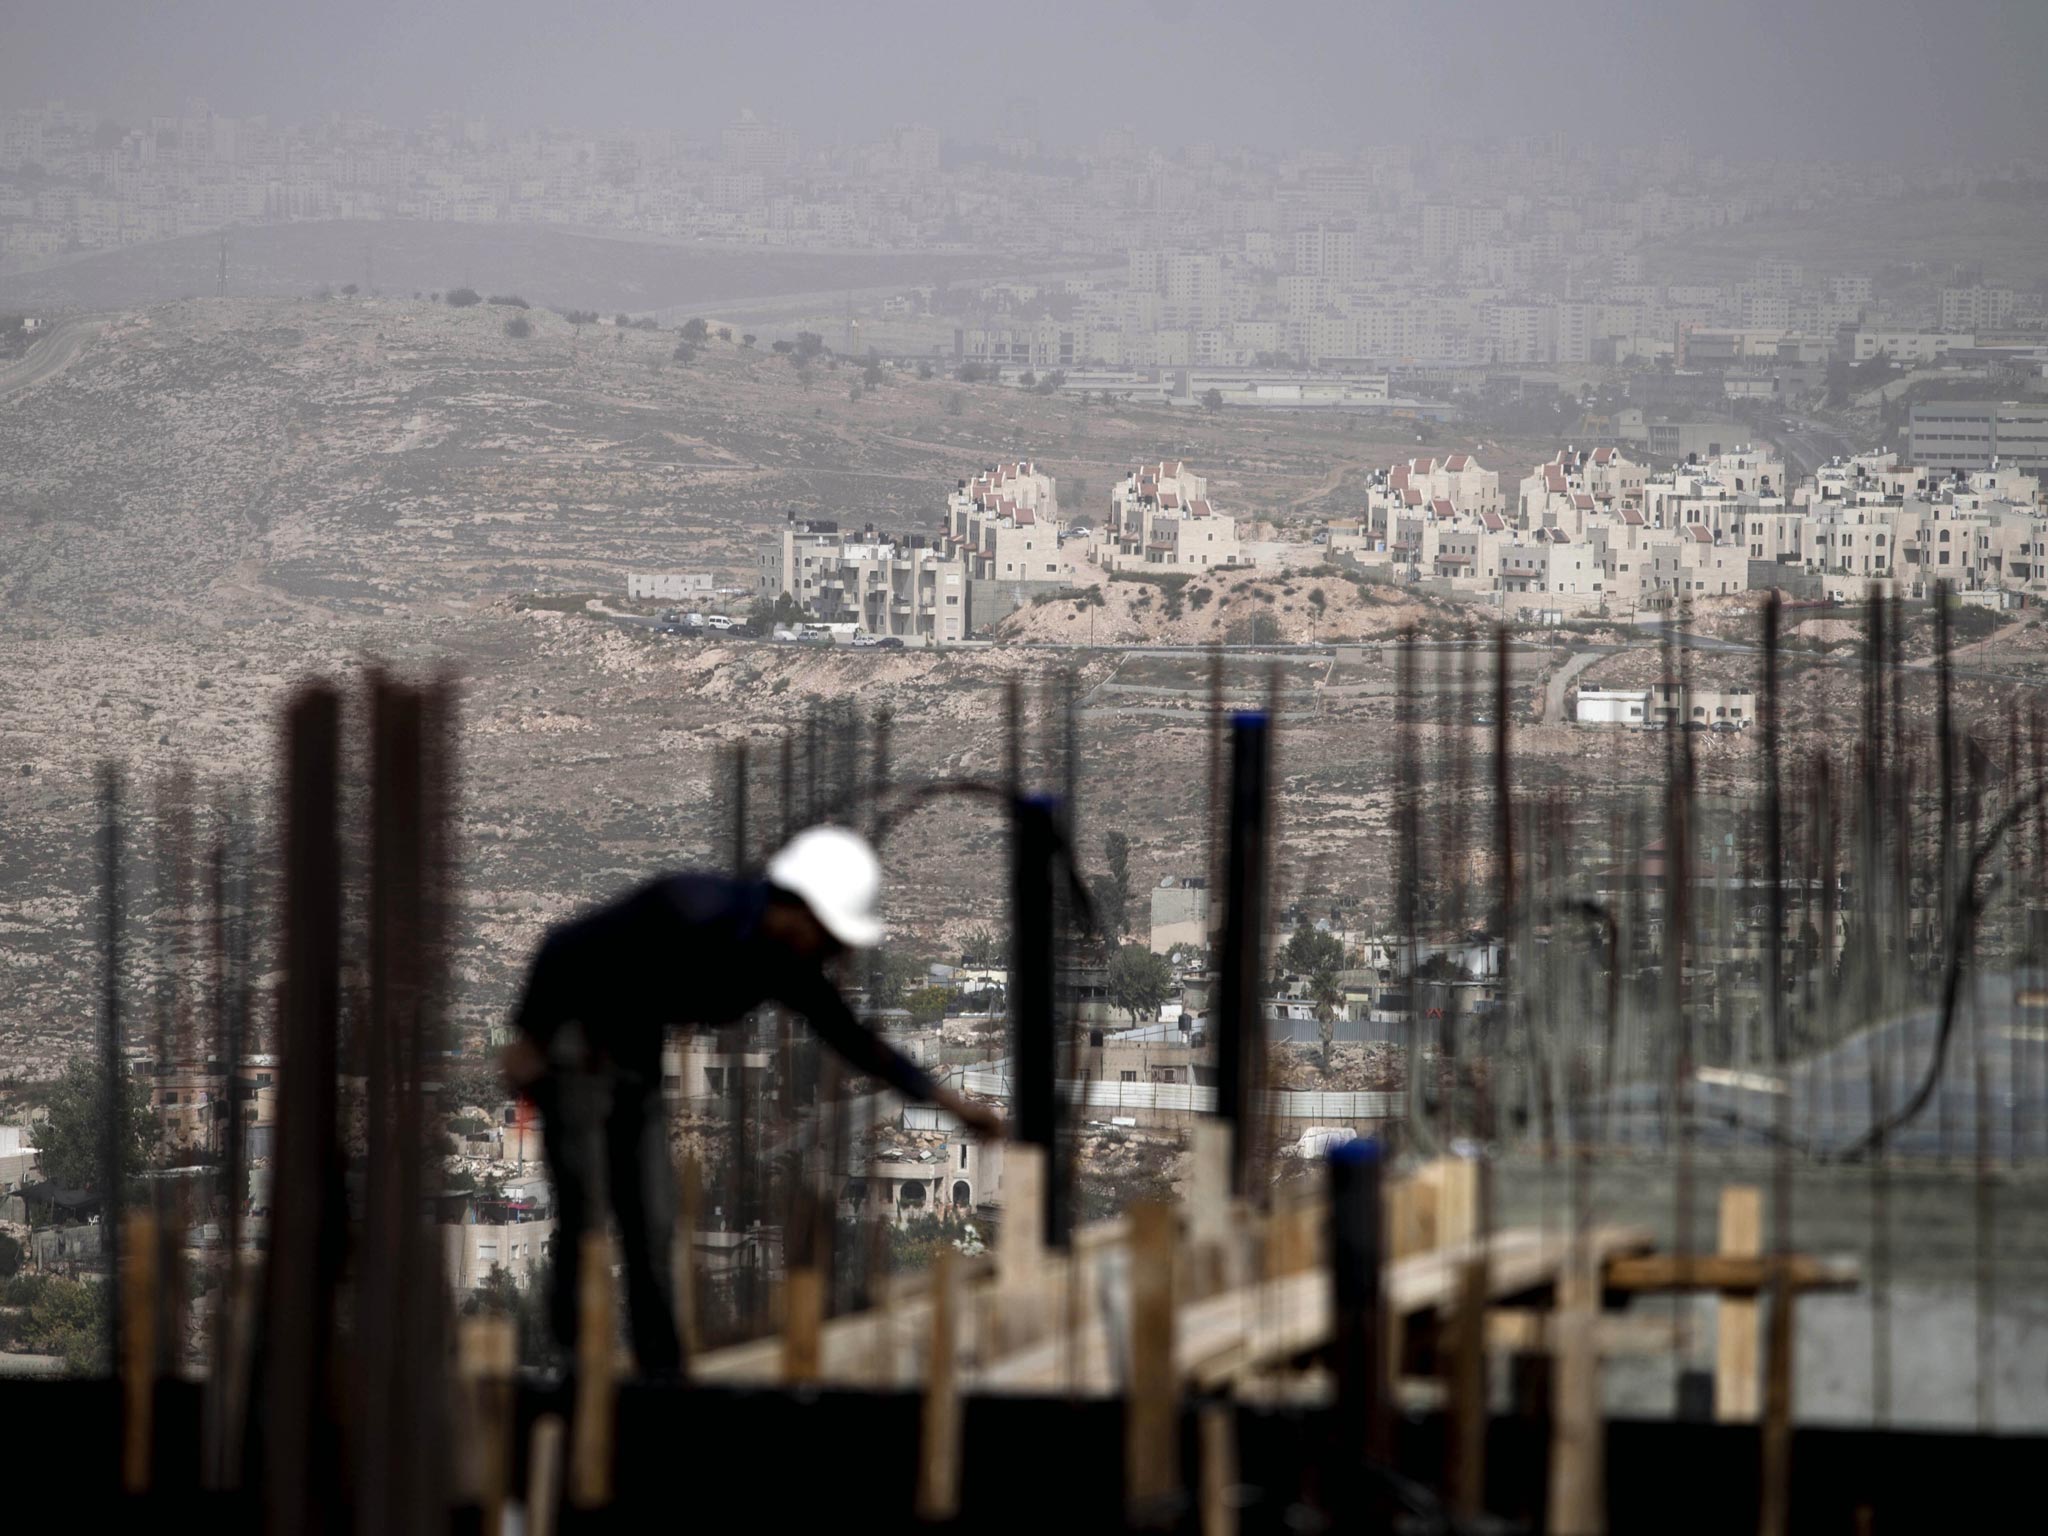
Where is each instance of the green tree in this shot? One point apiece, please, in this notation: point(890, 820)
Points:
point(10, 1256)
point(982, 947)
point(1138, 981)
point(519, 327)
point(892, 977)
point(1113, 890)
point(927, 1005)
point(696, 332)
point(68, 1318)
point(809, 344)
point(496, 1296)
point(1312, 953)
point(1212, 399)
point(1328, 998)
point(462, 298)
point(70, 1139)
point(1441, 967)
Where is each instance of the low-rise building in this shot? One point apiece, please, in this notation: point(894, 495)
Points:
point(904, 585)
point(1180, 913)
point(1161, 519)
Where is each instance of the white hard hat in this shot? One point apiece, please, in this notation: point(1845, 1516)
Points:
point(838, 877)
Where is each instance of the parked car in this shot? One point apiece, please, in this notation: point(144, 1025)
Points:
point(863, 639)
point(889, 643)
point(1726, 725)
point(695, 621)
point(670, 629)
point(671, 617)
point(784, 632)
point(717, 621)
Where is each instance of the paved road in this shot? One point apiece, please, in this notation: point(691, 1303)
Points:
point(1562, 678)
point(1920, 664)
point(1810, 444)
point(50, 356)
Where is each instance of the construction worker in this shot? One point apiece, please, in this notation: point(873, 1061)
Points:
point(690, 949)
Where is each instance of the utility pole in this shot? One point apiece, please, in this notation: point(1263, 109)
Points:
point(221, 282)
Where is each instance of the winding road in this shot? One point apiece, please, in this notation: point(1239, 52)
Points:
point(57, 350)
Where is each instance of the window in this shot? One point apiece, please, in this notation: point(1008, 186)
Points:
point(1128, 1077)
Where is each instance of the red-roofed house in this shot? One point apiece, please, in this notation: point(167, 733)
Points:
point(1161, 517)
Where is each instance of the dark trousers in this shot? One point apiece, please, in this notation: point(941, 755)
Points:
point(607, 1142)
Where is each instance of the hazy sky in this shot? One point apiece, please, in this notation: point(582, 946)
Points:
point(1851, 78)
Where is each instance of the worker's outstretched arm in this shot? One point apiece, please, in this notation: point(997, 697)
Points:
point(865, 1051)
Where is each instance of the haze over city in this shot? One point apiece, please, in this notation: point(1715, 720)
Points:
point(1120, 767)
point(1838, 79)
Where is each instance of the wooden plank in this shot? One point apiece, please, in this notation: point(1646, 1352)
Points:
point(1021, 1312)
point(803, 1315)
point(1219, 1470)
point(1152, 1410)
point(1527, 1331)
point(487, 1352)
point(1775, 1514)
point(938, 1465)
point(1721, 1272)
point(1465, 1362)
point(1224, 1338)
point(138, 1346)
point(1400, 1197)
point(1457, 1200)
point(544, 1475)
point(1577, 1474)
point(1209, 1208)
point(590, 1451)
point(1737, 1342)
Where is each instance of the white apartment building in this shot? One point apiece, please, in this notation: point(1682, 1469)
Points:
point(1161, 518)
point(1976, 308)
point(1908, 346)
point(905, 586)
point(1005, 524)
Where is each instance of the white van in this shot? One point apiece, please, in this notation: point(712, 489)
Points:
point(717, 621)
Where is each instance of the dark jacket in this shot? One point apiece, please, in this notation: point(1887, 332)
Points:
point(688, 949)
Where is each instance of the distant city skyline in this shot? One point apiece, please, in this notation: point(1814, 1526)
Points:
point(1834, 79)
